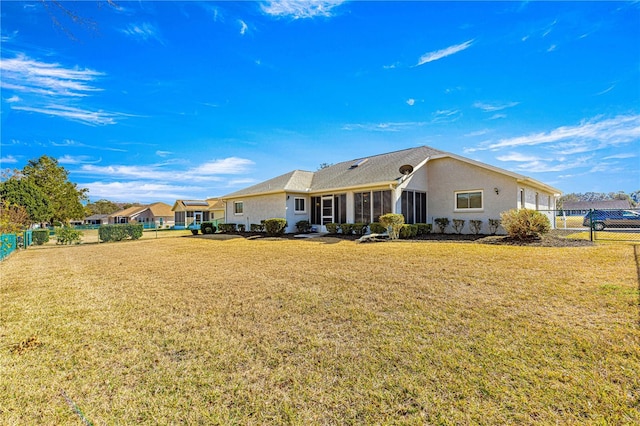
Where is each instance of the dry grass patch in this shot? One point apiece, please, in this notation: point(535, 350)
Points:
point(198, 331)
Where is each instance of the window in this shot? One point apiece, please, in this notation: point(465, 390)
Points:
point(340, 208)
point(362, 207)
point(469, 200)
point(315, 211)
point(414, 206)
point(238, 207)
point(381, 204)
point(299, 205)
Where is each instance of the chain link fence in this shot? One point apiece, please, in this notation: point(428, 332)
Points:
point(601, 224)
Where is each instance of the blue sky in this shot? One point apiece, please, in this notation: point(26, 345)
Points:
point(156, 101)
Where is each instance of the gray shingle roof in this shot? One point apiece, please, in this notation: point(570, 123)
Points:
point(295, 181)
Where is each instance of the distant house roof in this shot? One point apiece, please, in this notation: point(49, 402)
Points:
point(604, 204)
point(96, 217)
point(157, 210)
point(161, 210)
point(373, 170)
point(209, 204)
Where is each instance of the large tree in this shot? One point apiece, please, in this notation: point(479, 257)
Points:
point(52, 179)
point(102, 207)
point(18, 191)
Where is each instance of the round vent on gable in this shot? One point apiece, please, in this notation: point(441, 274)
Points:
point(406, 169)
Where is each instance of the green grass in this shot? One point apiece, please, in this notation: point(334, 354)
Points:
point(197, 331)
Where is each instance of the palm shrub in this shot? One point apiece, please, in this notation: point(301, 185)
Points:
point(458, 224)
point(525, 223)
point(68, 235)
point(393, 223)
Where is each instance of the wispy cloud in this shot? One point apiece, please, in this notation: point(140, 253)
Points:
point(487, 107)
point(300, 9)
point(243, 27)
point(611, 131)
point(385, 127)
point(78, 159)
point(443, 53)
point(411, 102)
point(538, 164)
point(140, 191)
point(53, 89)
point(446, 116)
point(9, 159)
point(143, 32)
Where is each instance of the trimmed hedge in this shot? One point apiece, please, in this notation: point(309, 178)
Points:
point(525, 223)
point(359, 228)
point(257, 227)
point(377, 228)
point(346, 228)
point(408, 231)
point(275, 226)
point(303, 226)
point(423, 228)
point(332, 228)
point(107, 233)
point(40, 236)
point(227, 227)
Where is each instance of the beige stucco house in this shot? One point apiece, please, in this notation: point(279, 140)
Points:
point(422, 183)
point(158, 215)
point(194, 212)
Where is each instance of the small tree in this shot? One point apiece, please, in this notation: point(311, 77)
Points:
point(525, 223)
point(442, 223)
point(458, 224)
point(393, 223)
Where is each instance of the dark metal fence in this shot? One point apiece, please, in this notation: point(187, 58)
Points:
point(602, 224)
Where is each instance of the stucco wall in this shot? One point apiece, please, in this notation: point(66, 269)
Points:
point(257, 208)
point(293, 217)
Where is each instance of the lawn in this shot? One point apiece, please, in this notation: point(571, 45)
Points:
point(200, 331)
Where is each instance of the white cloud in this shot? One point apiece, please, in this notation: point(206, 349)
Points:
point(622, 129)
point(53, 89)
point(163, 153)
point(443, 53)
point(552, 48)
point(411, 102)
point(243, 27)
point(143, 32)
point(446, 116)
point(384, 127)
point(231, 166)
point(516, 156)
point(300, 9)
point(79, 159)
point(140, 191)
point(486, 107)
point(497, 116)
point(621, 156)
point(9, 159)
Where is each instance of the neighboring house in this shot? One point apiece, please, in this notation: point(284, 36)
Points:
point(96, 219)
point(188, 212)
point(581, 208)
point(421, 183)
point(157, 215)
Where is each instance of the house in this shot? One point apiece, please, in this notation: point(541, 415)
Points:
point(189, 212)
point(581, 208)
point(157, 215)
point(422, 183)
point(96, 219)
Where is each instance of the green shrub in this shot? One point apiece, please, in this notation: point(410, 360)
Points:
point(227, 227)
point(207, 228)
point(359, 228)
point(423, 228)
point(107, 233)
point(458, 224)
point(525, 223)
point(332, 228)
point(476, 226)
point(408, 231)
point(68, 235)
point(377, 228)
point(346, 228)
point(303, 226)
point(256, 227)
point(242, 227)
point(40, 236)
point(393, 223)
point(441, 223)
point(275, 226)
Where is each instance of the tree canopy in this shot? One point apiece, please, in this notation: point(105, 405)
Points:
point(102, 207)
point(18, 191)
point(64, 196)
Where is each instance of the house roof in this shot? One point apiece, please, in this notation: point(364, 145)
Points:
point(603, 204)
point(198, 205)
point(157, 210)
point(374, 170)
point(96, 217)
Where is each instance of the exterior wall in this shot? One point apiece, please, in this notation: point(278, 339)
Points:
point(146, 217)
point(448, 175)
point(292, 216)
point(257, 208)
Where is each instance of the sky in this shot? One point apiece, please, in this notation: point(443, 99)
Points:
point(158, 101)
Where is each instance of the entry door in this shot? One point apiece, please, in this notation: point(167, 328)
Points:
point(197, 218)
point(327, 210)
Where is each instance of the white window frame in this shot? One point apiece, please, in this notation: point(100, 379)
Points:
point(295, 206)
point(235, 208)
point(469, 191)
